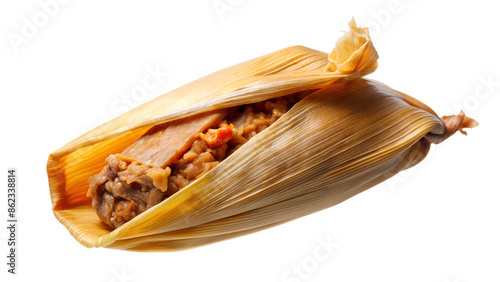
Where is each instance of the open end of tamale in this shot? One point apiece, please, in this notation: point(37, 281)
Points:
point(170, 156)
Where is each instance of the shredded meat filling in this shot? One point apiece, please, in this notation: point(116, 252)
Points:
point(170, 156)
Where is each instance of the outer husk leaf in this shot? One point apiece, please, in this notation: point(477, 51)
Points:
point(314, 157)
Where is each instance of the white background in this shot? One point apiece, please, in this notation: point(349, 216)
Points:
point(84, 60)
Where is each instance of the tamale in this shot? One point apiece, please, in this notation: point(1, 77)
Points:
point(345, 136)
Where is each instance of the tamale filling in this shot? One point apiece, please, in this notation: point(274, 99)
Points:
point(170, 156)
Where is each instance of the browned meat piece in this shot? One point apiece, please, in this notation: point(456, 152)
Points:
point(165, 143)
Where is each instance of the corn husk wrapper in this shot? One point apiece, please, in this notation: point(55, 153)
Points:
point(346, 137)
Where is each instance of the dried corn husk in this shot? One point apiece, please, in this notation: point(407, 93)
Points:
point(346, 137)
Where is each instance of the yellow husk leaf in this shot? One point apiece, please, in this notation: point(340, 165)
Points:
point(344, 138)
